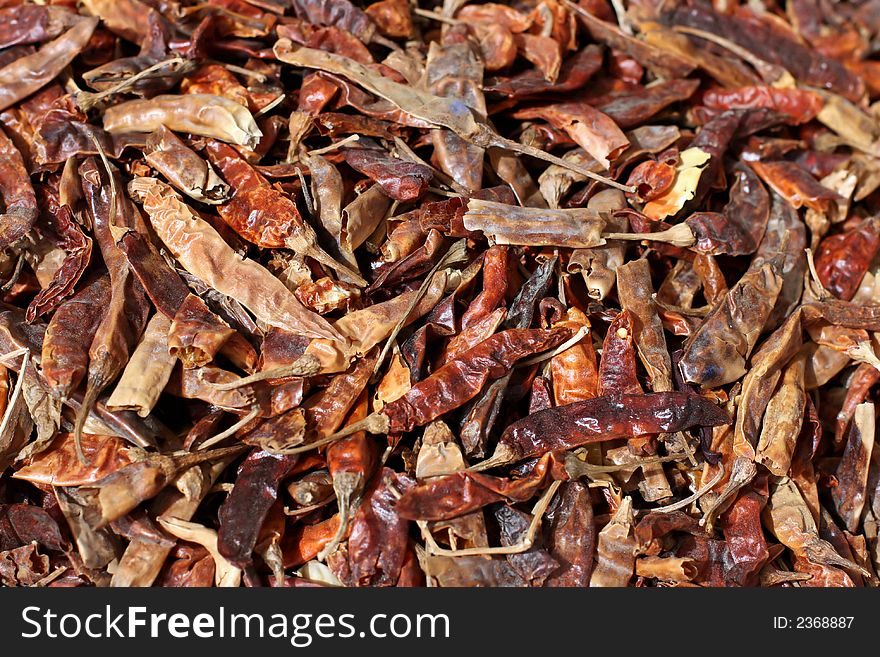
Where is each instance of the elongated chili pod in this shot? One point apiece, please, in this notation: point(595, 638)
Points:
point(69, 236)
point(198, 114)
point(510, 224)
point(595, 132)
point(254, 493)
point(399, 179)
point(482, 413)
point(127, 18)
point(450, 496)
point(738, 229)
point(183, 168)
point(126, 315)
point(635, 290)
point(351, 462)
point(113, 496)
point(24, 24)
point(30, 73)
point(19, 200)
point(617, 368)
point(453, 69)
point(196, 334)
point(495, 265)
point(327, 410)
point(785, 233)
point(263, 215)
point(65, 356)
point(852, 473)
point(716, 353)
point(203, 252)
point(575, 372)
point(147, 371)
point(378, 542)
point(572, 539)
point(783, 420)
point(461, 379)
point(606, 418)
point(663, 63)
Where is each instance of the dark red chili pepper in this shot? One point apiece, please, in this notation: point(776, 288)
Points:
point(606, 418)
point(242, 514)
point(463, 378)
point(617, 367)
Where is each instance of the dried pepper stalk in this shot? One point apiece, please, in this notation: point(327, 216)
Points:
point(386, 293)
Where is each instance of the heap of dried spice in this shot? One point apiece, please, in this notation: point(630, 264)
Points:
point(408, 293)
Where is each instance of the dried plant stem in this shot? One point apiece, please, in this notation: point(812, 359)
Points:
point(819, 288)
point(86, 100)
point(503, 455)
point(94, 386)
point(510, 145)
point(16, 273)
point(346, 490)
point(375, 424)
point(332, 147)
point(241, 70)
point(223, 435)
point(13, 354)
point(693, 498)
point(579, 335)
point(307, 195)
point(272, 105)
point(456, 253)
point(434, 16)
point(523, 546)
point(679, 235)
point(304, 366)
point(577, 468)
point(16, 393)
point(768, 72)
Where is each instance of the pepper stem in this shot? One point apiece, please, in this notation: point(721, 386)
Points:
point(327, 260)
point(93, 389)
point(347, 486)
point(86, 100)
point(306, 365)
point(375, 423)
point(503, 455)
point(510, 145)
point(223, 435)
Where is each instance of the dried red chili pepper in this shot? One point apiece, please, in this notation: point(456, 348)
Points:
point(738, 229)
point(126, 315)
point(65, 357)
point(28, 74)
point(455, 70)
point(401, 180)
point(457, 494)
point(262, 214)
point(842, 260)
point(243, 512)
point(605, 418)
point(18, 195)
point(617, 368)
point(67, 235)
point(463, 378)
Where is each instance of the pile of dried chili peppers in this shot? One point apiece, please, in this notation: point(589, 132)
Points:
point(400, 293)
